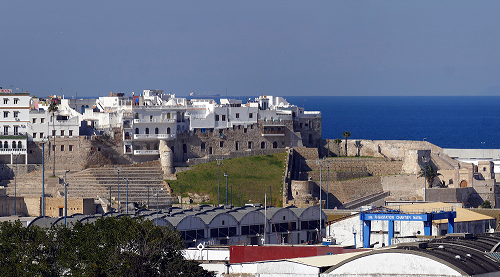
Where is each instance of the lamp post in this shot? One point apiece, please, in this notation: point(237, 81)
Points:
point(425, 160)
point(320, 201)
point(219, 163)
point(65, 198)
point(43, 177)
point(327, 190)
point(227, 189)
point(157, 199)
point(482, 143)
point(109, 188)
point(15, 187)
point(118, 172)
point(126, 201)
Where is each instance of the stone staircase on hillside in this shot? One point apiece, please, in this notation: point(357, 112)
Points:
point(143, 183)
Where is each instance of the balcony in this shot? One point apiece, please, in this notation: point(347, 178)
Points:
point(273, 131)
point(153, 136)
point(12, 150)
point(13, 135)
point(146, 152)
point(154, 120)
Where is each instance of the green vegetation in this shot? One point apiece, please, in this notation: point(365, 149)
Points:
point(338, 141)
point(346, 135)
point(250, 177)
point(486, 205)
point(109, 247)
point(430, 173)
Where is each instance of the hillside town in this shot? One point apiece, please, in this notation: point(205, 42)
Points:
point(406, 207)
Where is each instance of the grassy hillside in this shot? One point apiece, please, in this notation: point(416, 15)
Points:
point(249, 177)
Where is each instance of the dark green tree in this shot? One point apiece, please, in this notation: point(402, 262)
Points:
point(429, 172)
point(346, 135)
point(53, 109)
point(486, 204)
point(338, 142)
point(108, 247)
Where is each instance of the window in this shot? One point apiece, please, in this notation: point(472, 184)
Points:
point(236, 145)
point(42, 120)
point(5, 114)
point(157, 131)
point(263, 145)
point(203, 130)
point(53, 133)
point(275, 144)
point(34, 135)
point(70, 133)
point(70, 147)
point(5, 131)
point(5, 101)
point(20, 145)
point(15, 101)
point(245, 130)
point(221, 144)
point(216, 117)
point(136, 131)
point(184, 148)
point(202, 146)
point(237, 115)
point(250, 115)
point(16, 130)
point(223, 117)
point(5, 145)
point(62, 147)
point(34, 120)
point(146, 131)
point(14, 145)
point(62, 133)
point(249, 145)
point(41, 135)
point(16, 114)
point(168, 131)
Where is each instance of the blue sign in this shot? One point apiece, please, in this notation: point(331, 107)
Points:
point(395, 217)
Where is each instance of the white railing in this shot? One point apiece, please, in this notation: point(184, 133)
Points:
point(154, 136)
point(146, 152)
point(12, 150)
point(154, 120)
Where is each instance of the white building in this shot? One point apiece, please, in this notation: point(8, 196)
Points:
point(14, 110)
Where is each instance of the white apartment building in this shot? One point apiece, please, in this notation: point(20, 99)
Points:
point(14, 112)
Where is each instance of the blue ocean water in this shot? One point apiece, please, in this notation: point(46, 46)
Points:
point(446, 121)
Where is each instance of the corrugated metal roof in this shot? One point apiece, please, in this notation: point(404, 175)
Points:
point(462, 214)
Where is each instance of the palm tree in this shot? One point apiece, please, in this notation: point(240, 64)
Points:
point(346, 134)
point(52, 109)
point(429, 172)
point(358, 145)
point(338, 142)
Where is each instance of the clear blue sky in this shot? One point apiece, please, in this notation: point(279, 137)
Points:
point(282, 47)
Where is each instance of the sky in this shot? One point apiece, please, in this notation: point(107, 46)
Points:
point(248, 48)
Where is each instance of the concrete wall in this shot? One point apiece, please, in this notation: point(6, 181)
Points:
point(75, 206)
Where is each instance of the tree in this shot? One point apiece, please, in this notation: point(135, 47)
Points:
point(346, 134)
point(110, 246)
point(338, 142)
point(53, 109)
point(358, 145)
point(486, 204)
point(430, 173)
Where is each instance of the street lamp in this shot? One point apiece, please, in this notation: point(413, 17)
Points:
point(118, 172)
point(320, 201)
point(65, 184)
point(109, 187)
point(43, 177)
point(15, 187)
point(425, 160)
point(227, 189)
point(157, 198)
point(126, 202)
point(219, 163)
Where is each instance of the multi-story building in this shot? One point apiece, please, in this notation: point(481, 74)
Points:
point(14, 119)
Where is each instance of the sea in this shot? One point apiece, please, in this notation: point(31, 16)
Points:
point(463, 122)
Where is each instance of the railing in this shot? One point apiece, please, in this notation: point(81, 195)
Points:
point(273, 132)
point(3, 135)
point(146, 152)
point(154, 120)
point(12, 150)
point(154, 136)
